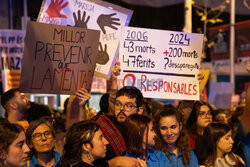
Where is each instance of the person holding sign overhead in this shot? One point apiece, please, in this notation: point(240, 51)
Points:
point(123, 103)
point(128, 101)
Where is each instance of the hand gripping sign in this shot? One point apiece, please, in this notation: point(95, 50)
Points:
point(162, 64)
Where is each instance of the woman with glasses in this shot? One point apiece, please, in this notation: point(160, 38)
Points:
point(201, 116)
point(41, 140)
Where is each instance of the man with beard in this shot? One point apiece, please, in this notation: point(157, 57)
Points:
point(128, 101)
point(122, 103)
point(15, 105)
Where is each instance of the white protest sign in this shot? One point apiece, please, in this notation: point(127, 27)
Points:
point(58, 59)
point(11, 52)
point(93, 14)
point(162, 64)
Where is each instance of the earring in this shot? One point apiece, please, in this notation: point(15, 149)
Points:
point(89, 156)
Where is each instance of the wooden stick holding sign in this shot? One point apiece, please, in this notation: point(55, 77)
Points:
point(162, 64)
point(58, 59)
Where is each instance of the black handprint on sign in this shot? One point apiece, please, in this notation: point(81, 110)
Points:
point(107, 20)
point(79, 21)
point(102, 56)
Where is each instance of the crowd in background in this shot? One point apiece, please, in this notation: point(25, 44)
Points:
point(128, 131)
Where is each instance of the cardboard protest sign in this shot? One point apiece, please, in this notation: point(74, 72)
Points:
point(93, 14)
point(204, 80)
point(162, 64)
point(11, 52)
point(220, 94)
point(58, 59)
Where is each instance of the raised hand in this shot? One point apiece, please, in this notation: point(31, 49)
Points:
point(107, 20)
point(79, 22)
point(83, 96)
point(116, 70)
point(102, 56)
point(55, 8)
point(200, 75)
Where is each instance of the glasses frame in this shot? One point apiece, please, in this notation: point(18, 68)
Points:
point(46, 134)
point(126, 106)
point(206, 114)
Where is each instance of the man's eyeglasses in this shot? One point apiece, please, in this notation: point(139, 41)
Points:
point(38, 136)
point(128, 106)
point(204, 114)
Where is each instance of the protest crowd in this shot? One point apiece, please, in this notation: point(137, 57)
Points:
point(130, 130)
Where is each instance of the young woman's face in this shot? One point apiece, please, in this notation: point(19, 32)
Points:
point(151, 136)
point(225, 143)
point(204, 117)
point(43, 139)
point(18, 152)
point(170, 129)
point(99, 145)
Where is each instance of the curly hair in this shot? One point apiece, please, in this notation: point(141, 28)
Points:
point(182, 142)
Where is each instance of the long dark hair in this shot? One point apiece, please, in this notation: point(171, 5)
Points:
point(182, 142)
point(135, 127)
point(191, 122)
point(8, 134)
point(78, 134)
point(212, 134)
